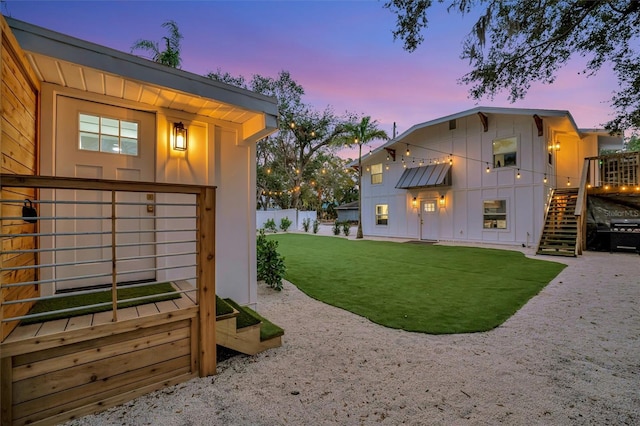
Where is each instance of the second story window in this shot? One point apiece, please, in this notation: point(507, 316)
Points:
point(376, 174)
point(505, 152)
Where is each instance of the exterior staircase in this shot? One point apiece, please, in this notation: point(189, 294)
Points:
point(560, 232)
point(247, 339)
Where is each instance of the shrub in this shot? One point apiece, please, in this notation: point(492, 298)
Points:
point(285, 223)
point(306, 223)
point(271, 267)
point(336, 228)
point(346, 228)
point(270, 225)
point(316, 226)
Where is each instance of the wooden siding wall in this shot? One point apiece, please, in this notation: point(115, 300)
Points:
point(19, 142)
point(46, 382)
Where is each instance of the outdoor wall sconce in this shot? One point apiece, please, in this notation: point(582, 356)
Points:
point(414, 203)
point(442, 201)
point(180, 137)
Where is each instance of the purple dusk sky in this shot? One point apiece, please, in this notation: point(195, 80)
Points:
point(341, 52)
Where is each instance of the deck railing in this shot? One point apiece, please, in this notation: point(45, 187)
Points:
point(89, 235)
point(619, 171)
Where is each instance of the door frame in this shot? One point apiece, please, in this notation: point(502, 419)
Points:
point(434, 215)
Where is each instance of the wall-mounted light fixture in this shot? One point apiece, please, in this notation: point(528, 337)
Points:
point(180, 138)
point(414, 203)
point(442, 201)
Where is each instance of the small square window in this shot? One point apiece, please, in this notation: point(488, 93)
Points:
point(495, 214)
point(382, 214)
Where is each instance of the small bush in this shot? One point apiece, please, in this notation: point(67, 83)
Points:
point(271, 267)
point(346, 228)
point(336, 228)
point(306, 224)
point(316, 226)
point(270, 225)
point(285, 223)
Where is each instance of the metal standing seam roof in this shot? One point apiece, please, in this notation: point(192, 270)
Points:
point(420, 177)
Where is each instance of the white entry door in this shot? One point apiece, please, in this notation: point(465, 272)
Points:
point(99, 141)
point(429, 229)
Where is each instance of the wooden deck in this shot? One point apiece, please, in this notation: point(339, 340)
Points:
point(46, 328)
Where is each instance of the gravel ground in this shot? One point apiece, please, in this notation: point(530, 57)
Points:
point(571, 356)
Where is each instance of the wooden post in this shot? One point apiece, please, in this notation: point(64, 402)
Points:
point(114, 273)
point(6, 390)
point(206, 280)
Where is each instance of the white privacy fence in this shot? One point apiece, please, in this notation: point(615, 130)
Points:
point(296, 217)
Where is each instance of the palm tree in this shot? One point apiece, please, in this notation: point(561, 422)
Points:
point(361, 133)
point(171, 55)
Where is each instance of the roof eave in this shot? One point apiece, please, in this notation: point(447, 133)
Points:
point(46, 42)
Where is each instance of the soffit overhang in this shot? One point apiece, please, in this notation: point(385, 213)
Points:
point(70, 62)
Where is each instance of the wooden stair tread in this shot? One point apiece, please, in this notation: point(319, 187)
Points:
point(560, 230)
point(245, 339)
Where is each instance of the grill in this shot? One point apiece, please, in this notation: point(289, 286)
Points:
point(625, 235)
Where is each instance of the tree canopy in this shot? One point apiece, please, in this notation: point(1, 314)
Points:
point(515, 43)
point(297, 167)
point(170, 56)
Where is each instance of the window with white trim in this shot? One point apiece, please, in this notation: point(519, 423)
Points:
point(103, 134)
point(376, 174)
point(505, 152)
point(382, 214)
point(494, 214)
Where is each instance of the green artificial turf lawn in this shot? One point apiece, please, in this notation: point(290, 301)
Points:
point(75, 301)
point(424, 288)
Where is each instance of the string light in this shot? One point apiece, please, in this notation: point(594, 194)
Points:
point(408, 152)
point(545, 178)
point(568, 181)
point(488, 169)
point(450, 159)
point(518, 174)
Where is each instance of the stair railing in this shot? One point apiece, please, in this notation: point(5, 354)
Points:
point(581, 209)
point(546, 214)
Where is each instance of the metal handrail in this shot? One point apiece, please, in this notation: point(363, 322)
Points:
point(107, 186)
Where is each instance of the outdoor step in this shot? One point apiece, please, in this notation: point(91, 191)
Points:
point(558, 253)
point(246, 339)
point(557, 243)
point(560, 235)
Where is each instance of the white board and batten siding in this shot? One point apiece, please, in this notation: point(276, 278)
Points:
point(461, 217)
